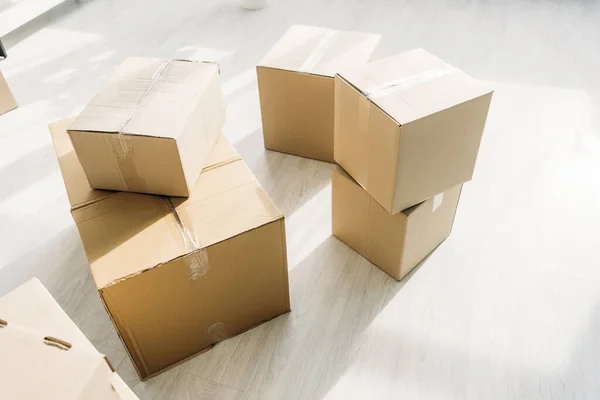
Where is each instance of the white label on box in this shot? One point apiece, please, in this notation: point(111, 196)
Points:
point(437, 201)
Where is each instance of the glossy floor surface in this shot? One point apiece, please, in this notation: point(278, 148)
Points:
point(507, 308)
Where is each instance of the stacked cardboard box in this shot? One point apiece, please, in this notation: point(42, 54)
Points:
point(45, 355)
point(175, 274)
point(405, 131)
point(407, 134)
point(151, 127)
point(296, 87)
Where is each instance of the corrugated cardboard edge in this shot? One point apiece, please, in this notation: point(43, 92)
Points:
point(456, 211)
point(365, 100)
point(222, 163)
point(118, 327)
point(367, 248)
point(119, 386)
point(2, 112)
point(285, 262)
point(295, 71)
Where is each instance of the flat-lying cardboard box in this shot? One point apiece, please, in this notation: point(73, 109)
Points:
point(45, 355)
point(296, 84)
point(151, 127)
point(408, 127)
point(178, 275)
point(394, 243)
point(7, 100)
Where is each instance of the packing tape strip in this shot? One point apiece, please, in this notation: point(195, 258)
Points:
point(154, 81)
point(197, 264)
point(216, 332)
point(196, 260)
point(318, 52)
point(122, 149)
point(408, 81)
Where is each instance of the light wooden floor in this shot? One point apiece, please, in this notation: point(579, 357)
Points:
point(507, 308)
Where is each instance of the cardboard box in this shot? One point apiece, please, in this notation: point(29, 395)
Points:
point(151, 128)
point(178, 275)
point(7, 100)
point(296, 84)
point(408, 127)
point(394, 243)
point(45, 353)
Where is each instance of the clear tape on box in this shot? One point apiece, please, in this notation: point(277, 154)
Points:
point(386, 88)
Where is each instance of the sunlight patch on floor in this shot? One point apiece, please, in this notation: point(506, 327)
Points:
point(308, 227)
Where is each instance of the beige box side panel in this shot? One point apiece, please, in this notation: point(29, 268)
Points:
point(199, 135)
point(366, 142)
point(130, 163)
point(387, 239)
point(297, 113)
point(428, 227)
point(350, 212)
point(365, 226)
point(7, 100)
point(439, 152)
point(78, 188)
point(126, 234)
point(261, 280)
point(171, 312)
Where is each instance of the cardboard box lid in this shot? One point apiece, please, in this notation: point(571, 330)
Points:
point(320, 51)
point(32, 308)
point(147, 96)
point(125, 234)
point(414, 84)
